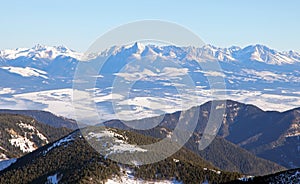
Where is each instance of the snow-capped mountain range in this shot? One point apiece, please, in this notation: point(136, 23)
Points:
point(42, 77)
point(256, 52)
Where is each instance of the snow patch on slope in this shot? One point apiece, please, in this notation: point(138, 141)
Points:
point(3, 157)
point(6, 163)
point(23, 143)
point(26, 72)
point(166, 73)
point(34, 130)
point(115, 145)
point(60, 142)
point(53, 179)
point(288, 177)
point(128, 178)
point(58, 101)
point(294, 130)
point(266, 75)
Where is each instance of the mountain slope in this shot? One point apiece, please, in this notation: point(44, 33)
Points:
point(269, 134)
point(45, 117)
point(22, 134)
point(220, 152)
point(230, 157)
point(72, 160)
point(248, 127)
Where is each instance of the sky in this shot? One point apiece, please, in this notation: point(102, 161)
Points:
point(76, 24)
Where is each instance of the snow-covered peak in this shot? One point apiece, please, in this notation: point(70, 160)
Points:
point(40, 52)
point(210, 47)
point(38, 47)
point(212, 53)
point(264, 54)
point(136, 48)
point(293, 54)
point(258, 49)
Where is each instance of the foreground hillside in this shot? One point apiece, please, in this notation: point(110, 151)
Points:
point(21, 134)
point(72, 160)
point(224, 154)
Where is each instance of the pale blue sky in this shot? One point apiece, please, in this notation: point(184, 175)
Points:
point(76, 24)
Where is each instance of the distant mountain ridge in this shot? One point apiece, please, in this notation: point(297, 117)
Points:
point(256, 52)
point(45, 117)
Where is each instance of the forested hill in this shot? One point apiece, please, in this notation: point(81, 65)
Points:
point(21, 134)
point(73, 160)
